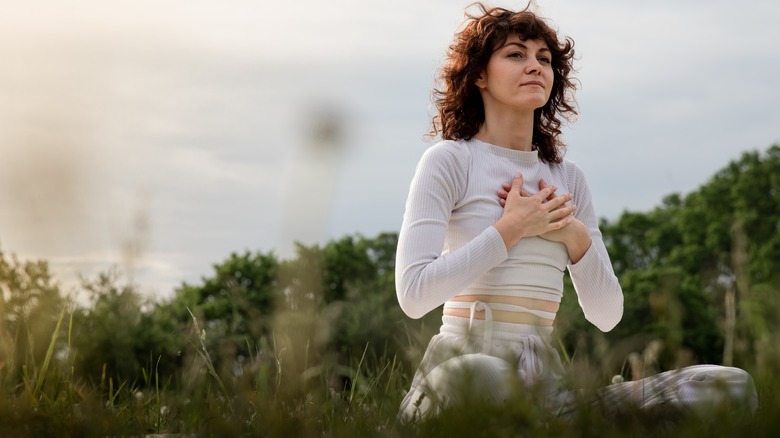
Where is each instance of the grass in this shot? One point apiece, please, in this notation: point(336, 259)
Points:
point(292, 387)
point(264, 400)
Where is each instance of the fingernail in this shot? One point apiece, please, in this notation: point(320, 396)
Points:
point(518, 175)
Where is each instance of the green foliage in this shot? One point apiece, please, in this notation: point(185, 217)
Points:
point(236, 299)
point(108, 337)
point(234, 305)
point(677, 262)
point(360, 275)
point(30, 304)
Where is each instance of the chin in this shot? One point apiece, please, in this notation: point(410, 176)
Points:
point(533, 106)
point(532, 103)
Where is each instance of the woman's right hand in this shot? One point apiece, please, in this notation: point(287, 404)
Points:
point(526, 215)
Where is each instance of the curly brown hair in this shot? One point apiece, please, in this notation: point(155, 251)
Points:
point(459, 103)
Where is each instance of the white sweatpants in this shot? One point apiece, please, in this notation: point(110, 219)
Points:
point(486, 361)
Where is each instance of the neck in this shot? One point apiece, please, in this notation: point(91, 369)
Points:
point(509, 129)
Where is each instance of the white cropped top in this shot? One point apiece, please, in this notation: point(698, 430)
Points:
point(448, 245)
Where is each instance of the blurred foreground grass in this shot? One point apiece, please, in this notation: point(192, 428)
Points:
point(267, 397)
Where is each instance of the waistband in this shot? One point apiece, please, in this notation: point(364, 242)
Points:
point(488, 329)
point(480, 306)
point(503, 331)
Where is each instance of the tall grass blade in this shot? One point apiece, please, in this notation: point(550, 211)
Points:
point(47, 359)
point(204, 354)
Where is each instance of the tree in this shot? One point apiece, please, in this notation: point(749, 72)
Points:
point(108, 334)
point(30, 303)
point(233, 306)
point(692, 252)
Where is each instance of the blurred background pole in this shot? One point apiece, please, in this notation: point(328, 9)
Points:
point(313, 175)
point(300, 330)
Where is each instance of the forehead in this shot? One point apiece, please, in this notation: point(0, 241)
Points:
point(532, 44)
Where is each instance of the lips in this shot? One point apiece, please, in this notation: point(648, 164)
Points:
point(532, 83)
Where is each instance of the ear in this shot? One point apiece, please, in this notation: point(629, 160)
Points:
point(481, 82)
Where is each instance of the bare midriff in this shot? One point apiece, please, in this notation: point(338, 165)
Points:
point(504, 315)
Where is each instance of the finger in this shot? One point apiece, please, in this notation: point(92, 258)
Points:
point(546, 193)
point(506, 186)
point(557, 225)
point(557, 201)
point(503, 194)
point(502, 201)
point(543, 184)
point(562, 212)
point(517, 184)
point(554, 206)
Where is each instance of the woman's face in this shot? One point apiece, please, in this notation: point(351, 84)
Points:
point(518, 76)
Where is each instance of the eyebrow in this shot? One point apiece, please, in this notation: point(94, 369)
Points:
point(523, 46)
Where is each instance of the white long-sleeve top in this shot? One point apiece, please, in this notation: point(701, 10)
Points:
point(448, 245)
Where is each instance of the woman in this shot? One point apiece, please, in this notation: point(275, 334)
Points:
point(496, 258)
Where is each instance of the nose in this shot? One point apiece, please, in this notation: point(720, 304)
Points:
point(533, 66)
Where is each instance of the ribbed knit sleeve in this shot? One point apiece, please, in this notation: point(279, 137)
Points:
point(598, 289)
point(426, 278)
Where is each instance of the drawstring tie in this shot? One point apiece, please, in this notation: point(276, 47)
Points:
point(487, 338)
point(535, 366)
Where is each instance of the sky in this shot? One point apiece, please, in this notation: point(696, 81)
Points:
point(159, 137)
